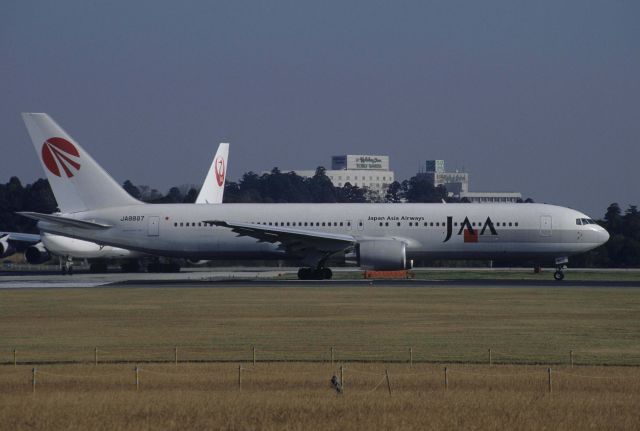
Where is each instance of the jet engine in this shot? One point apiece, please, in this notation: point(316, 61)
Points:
point(6, 249)
point(382, 255)
point(36, 254)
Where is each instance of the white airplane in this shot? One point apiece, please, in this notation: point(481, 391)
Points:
point(384, 236)
point(46, 244)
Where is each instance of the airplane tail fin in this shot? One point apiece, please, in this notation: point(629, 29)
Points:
point(213, 187)
point(77, 181)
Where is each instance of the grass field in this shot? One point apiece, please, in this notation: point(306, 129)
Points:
point(451, 327)
point(532, 325)
point(499, 274)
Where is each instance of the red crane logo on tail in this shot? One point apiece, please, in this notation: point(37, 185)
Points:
point(58, 152)
point(219, 170)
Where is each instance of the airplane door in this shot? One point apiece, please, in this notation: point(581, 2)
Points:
point(154, 226)
point(545, 225)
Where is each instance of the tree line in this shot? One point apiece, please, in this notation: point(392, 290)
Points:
point(622, 250)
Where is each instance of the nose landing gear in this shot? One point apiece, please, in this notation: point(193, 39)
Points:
point(559, 274)
point(560, 267)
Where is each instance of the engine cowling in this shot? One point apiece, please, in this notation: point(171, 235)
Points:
point(383, 255)
point(6, 249)
point(37, 254)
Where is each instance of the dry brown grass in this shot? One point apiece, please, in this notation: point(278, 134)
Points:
point(298, 396)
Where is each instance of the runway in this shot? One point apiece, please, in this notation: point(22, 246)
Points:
point(252, 278)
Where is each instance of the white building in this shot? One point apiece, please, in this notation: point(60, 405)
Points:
point(368, 171)
point(457, 185)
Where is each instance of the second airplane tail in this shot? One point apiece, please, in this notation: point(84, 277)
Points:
point(77, 181)
point(213, 187)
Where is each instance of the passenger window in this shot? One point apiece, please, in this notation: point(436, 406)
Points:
point(386, 223)
point(509, 223)
point(341, 223)
point(398, 223)
point(516, 224)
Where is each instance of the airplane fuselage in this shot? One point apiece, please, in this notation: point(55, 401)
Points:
point(456, 231)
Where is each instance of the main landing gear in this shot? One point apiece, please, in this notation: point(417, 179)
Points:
point(320, 273)
point(66, 267)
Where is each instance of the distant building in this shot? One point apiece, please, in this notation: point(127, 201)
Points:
point(360, 170)
point(455, 182)
point(457, 185)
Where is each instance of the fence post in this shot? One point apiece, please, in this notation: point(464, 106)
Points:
point(549, 372)
point(411, 356)
point(15, 362)
point(571, 358)
point(342, 377)
point(137, 370)
point(254, 354)
point(175, 355)
point(239, 377)
point(331, 355)
point(446, 378)
point(95, 356)
point(33, 380)
point(490, 358)
point(386, 372)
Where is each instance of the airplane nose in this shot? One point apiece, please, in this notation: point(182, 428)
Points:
point(603, 236)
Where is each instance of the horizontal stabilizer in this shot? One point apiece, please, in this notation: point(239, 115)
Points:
point(64, 221)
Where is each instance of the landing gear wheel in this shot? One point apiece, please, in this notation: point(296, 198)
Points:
point(326, 273)
point(305, 274)
point(558, 275)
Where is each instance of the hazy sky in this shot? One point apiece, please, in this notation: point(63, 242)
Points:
point(537, 97)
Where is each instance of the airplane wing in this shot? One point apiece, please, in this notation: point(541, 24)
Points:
point(64, 221)
point(293, 240)
point(20, 237)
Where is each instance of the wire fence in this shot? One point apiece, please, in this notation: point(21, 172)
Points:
point(356, 379)
point(259, 354)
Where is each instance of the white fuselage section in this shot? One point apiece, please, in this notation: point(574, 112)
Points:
point(429, 230)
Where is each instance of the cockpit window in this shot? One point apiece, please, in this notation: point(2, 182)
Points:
point(585, 221)
point(579, 222)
